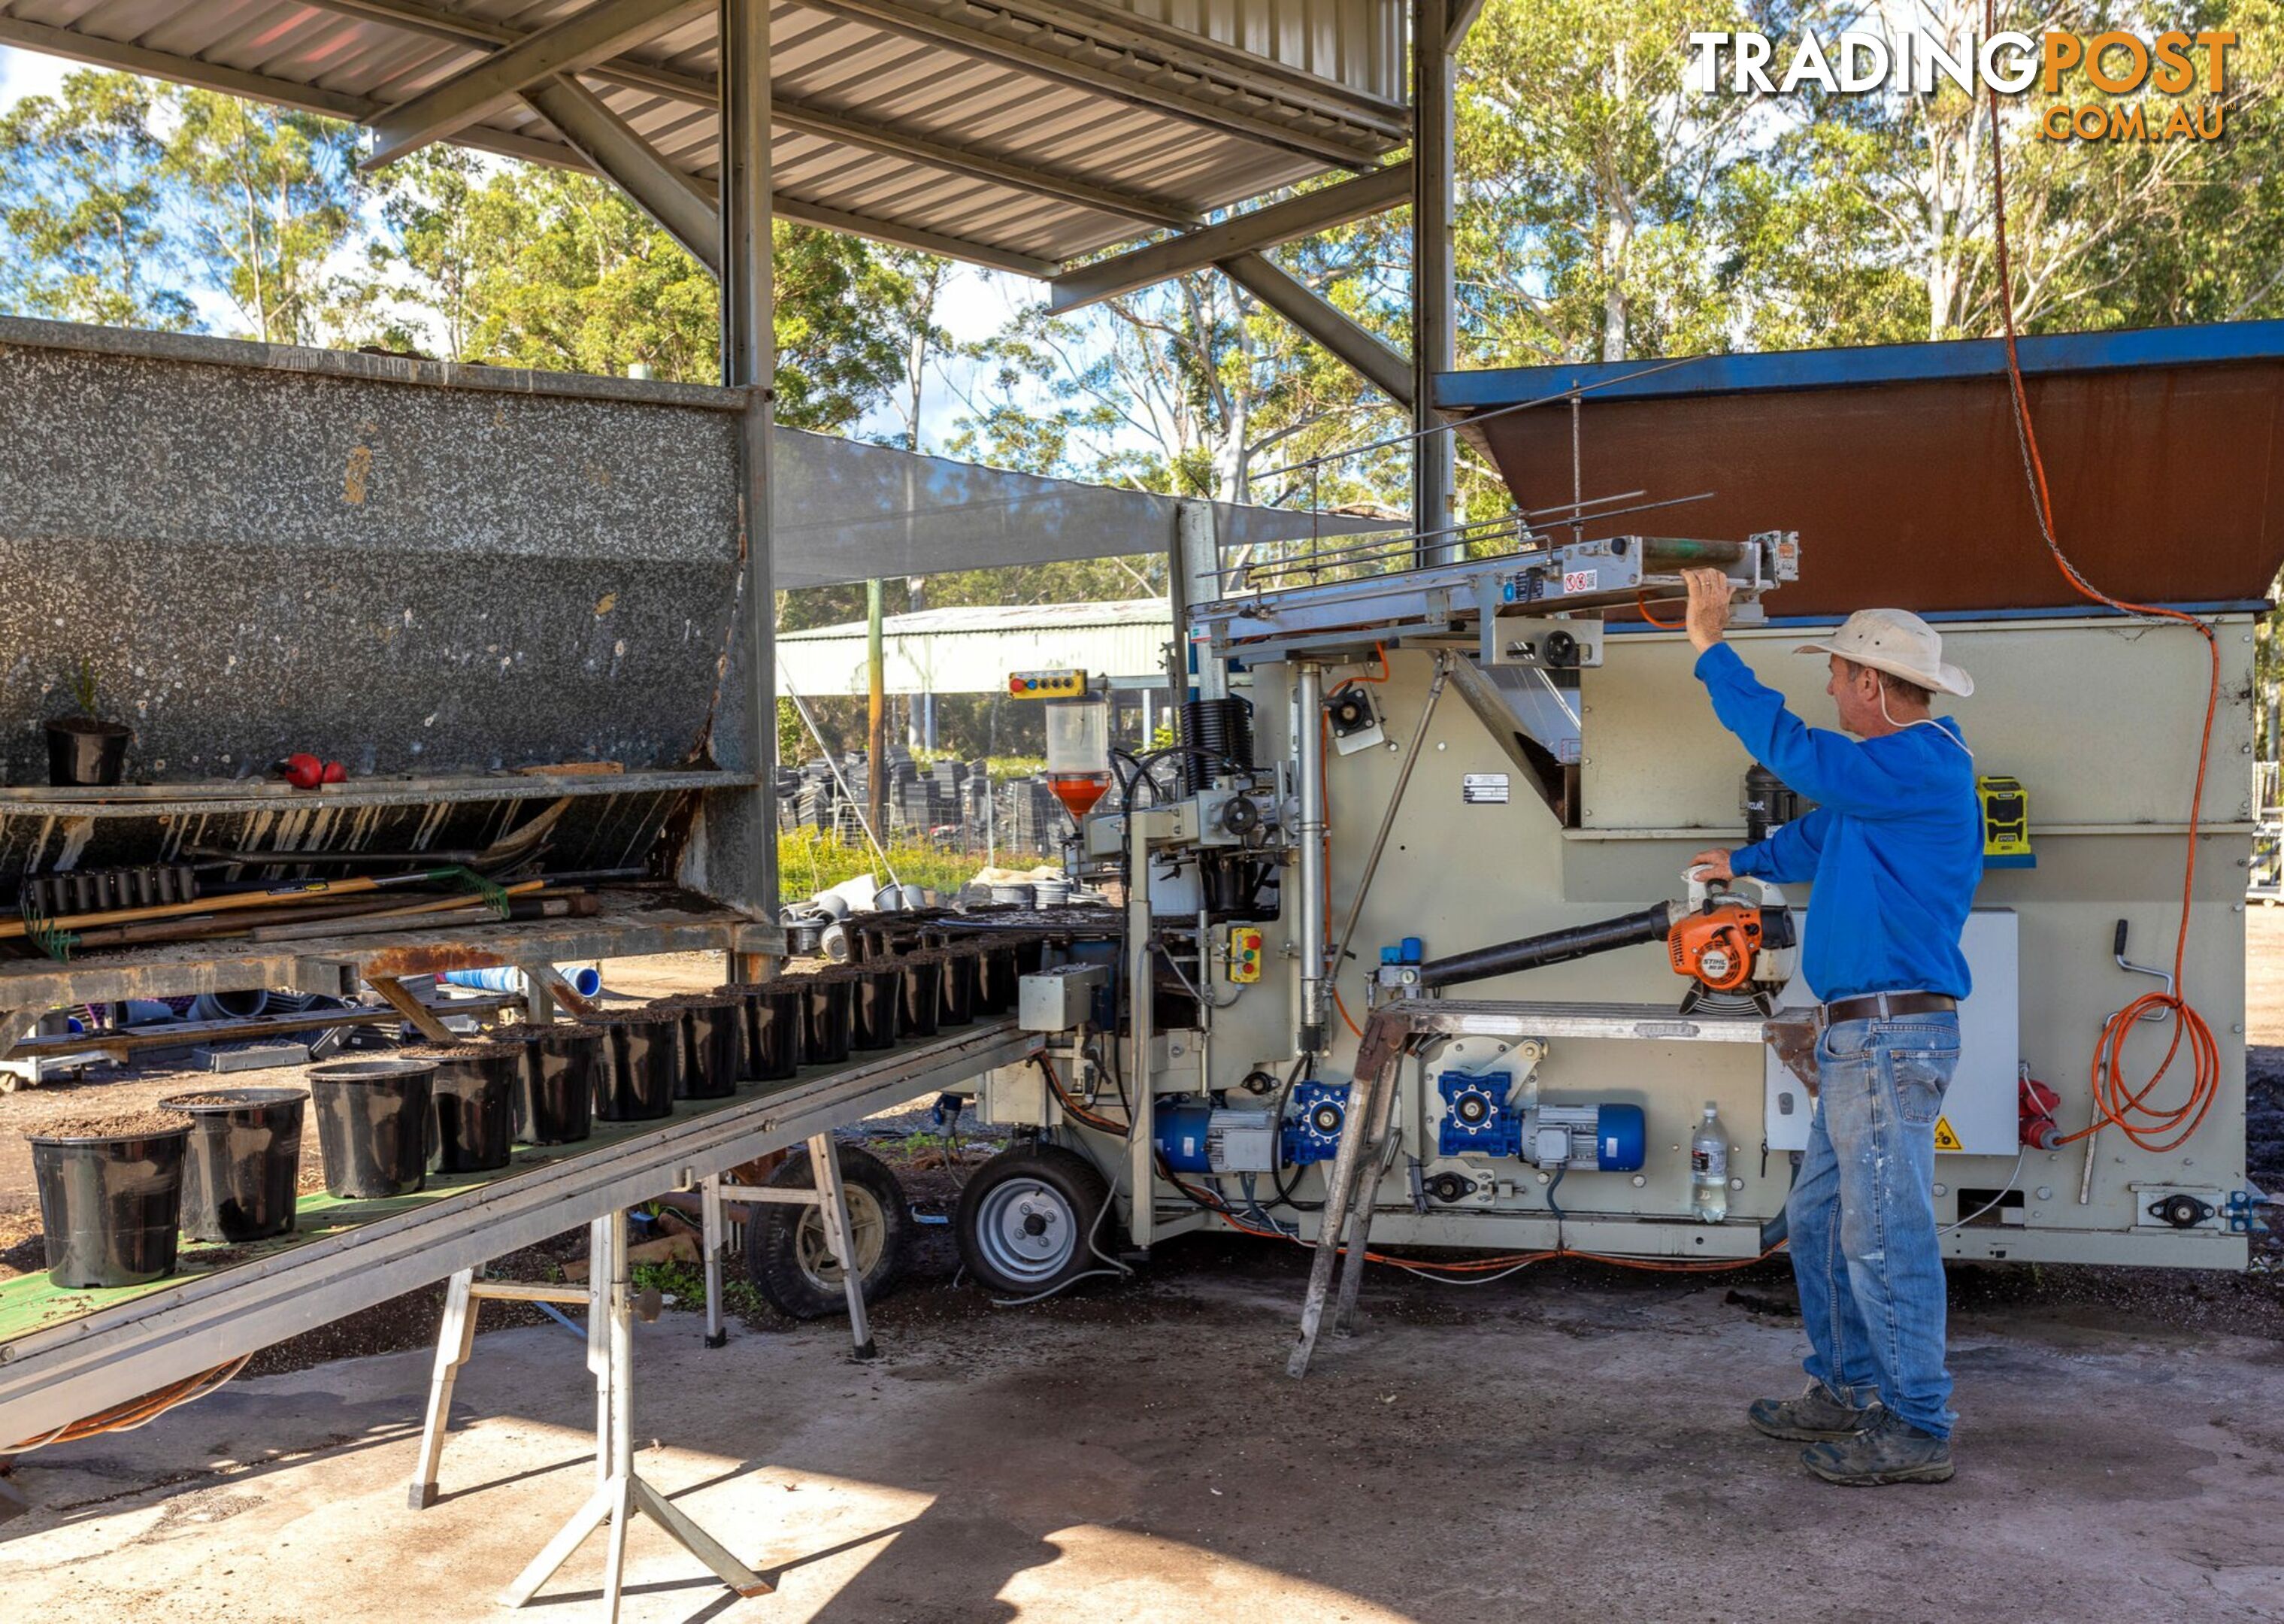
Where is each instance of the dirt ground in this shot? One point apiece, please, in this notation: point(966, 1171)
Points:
point(1547, 1447)
point(1568, 1442)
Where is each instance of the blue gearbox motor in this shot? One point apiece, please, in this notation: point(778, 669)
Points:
point(1312, 1131)
point(1477, 1120)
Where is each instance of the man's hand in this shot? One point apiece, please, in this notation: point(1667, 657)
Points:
point(1712, 864)
point(1709, 606)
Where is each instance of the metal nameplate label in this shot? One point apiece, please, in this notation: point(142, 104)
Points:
point(1483, 789)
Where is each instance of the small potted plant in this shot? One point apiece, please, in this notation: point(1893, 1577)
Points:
point(83, 748)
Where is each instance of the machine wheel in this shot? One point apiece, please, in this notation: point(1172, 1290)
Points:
point(1026, 1217)
point(785, 1252)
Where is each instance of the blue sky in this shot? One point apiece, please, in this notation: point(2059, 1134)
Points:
point(976, 303)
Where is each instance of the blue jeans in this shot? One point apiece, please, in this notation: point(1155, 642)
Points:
point(1862, 1216)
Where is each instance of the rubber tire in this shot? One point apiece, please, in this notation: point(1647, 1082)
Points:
point(1071, 1177)
point(773, 1235)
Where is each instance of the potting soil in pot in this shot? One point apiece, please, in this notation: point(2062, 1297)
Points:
point(111, 1191)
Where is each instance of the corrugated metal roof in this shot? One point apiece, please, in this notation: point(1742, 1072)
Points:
point(1026, 132)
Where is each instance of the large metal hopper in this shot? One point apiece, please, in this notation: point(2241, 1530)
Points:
point(1901, 469)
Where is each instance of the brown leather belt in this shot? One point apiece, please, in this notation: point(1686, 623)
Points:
point(1887, 1006)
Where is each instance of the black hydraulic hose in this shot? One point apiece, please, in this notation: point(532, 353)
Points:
point(1553, 948)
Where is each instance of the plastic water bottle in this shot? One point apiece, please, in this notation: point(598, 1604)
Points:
point(1708, 1168)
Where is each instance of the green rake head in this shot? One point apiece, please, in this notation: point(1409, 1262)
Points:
point(495, 895)
point(41, 931)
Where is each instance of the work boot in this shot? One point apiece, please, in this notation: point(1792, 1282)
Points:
point(1891, 1450)
point(1817, 1413)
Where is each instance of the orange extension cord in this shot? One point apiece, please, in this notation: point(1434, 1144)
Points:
point(134, 1412)
point(2152, 1128)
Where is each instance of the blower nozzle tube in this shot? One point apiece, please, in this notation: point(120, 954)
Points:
point(1553, 948)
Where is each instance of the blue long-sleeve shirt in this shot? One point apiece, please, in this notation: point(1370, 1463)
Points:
point(1894, 848)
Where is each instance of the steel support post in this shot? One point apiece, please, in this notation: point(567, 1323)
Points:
point(1142, 1131)
point(1197, 556)
point(1432, 352)
point(750, 362)
point(621, 1494)
point(710, 1229)
point(455, 1342)
point(1308, 836)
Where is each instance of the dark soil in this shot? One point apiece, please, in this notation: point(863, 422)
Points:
point(114, 1125)
point(226, 1099)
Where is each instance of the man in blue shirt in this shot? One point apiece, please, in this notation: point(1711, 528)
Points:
point(1894, 850)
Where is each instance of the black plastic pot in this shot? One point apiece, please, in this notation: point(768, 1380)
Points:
point(1030, 954)
point(879, 989)
point(244, 1160)
point(555, 1093)
point(996, 977)
point(712, 1041)
point(774, 1014)
point(81, 749)
point(957, 1006)
point(372, 1126)
point(109, 1205)
point(472, 1108)
point(829, 1028)
point(640, 1059)
point(922, 994)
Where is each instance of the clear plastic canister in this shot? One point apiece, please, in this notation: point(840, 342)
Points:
point(1079, 752)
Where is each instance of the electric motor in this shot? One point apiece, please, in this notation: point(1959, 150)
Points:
point(1609, 1138)
point(1203, 1138)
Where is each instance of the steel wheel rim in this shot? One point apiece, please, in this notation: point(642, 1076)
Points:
point(1027, 1229)
point(868, 1227)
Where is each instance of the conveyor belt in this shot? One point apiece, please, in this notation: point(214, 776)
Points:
point(79, 1352)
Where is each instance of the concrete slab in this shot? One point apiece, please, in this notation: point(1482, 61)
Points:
point(1545, 1446)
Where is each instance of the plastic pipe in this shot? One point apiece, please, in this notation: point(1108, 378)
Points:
point(586, 980)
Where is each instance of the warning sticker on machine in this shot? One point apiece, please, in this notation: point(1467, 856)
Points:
point(1481, 789)
point(1946, 1139)
point(1579, 580)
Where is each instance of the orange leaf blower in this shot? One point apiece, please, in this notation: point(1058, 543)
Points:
point(1736, 950)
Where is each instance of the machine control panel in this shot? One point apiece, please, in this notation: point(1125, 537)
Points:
point(1046, 685)
point(1244, 955)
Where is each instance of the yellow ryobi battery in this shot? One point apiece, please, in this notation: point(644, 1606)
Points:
point(2006, 816)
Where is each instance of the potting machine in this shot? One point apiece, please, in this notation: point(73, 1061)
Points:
point(1485, 778)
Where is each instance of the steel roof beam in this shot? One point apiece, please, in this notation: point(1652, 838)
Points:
point(492, 86)
point(1209, 58)
point(682, 206)
point(802, 118)
point(921, 22)
point(689, 210)
point(1331, 327)
point(1304, 216)
point(1462, 18)
point(239, 81)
